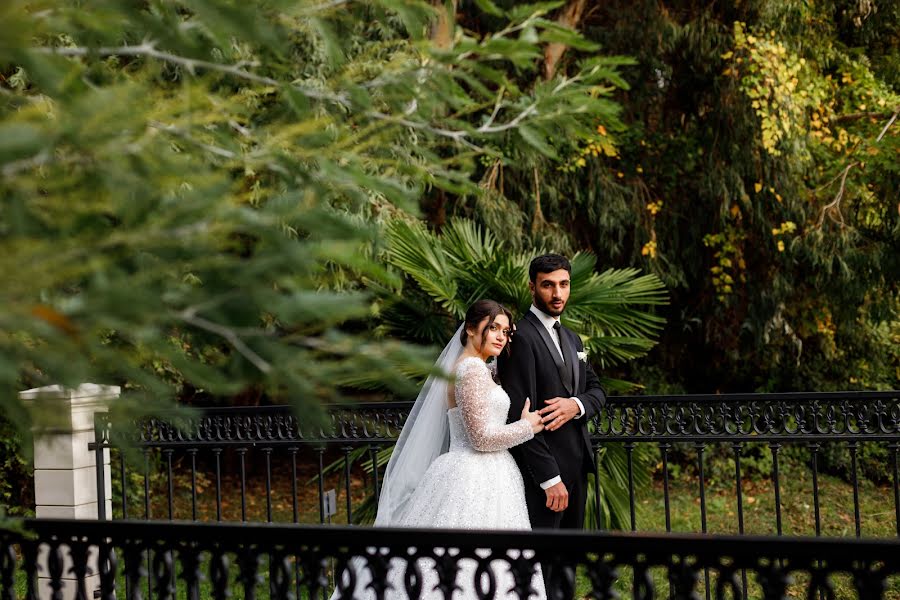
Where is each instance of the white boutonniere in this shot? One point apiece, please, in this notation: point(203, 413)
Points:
point(582, 356)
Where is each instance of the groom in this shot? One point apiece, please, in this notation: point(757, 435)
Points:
point(547, 364)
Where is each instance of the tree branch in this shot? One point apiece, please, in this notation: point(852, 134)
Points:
point(861, 115)
point(188, 137)
point(189, 316)
point(888, 126)
point(148, 49)
point(835, 205)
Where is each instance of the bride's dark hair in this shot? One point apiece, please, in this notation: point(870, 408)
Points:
point(477, 312)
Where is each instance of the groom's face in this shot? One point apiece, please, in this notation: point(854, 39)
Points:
point(551, 291)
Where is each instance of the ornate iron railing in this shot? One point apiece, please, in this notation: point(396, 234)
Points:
point(726, 417)
point(699, 421)
point(67, 558)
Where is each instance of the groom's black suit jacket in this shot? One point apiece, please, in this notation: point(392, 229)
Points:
point(534, 369)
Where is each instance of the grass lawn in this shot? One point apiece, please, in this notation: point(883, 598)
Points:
point(877, 516)
point(877, 519)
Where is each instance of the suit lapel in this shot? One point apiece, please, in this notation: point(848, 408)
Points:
point(561, 367)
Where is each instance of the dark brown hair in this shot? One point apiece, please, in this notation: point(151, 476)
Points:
point(547, 264)
point(477, 312)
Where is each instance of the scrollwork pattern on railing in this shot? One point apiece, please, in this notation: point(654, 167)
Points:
point(859, 414)
point(735, 416)
point(397, 564)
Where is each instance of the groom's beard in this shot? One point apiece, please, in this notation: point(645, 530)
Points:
point(546, 309)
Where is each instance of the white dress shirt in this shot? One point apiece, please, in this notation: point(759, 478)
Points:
point(548, 322)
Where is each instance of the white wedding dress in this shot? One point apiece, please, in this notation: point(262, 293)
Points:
point(475, 485)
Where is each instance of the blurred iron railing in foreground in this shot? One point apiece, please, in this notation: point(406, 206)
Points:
point(807, 419)
point(191, 560)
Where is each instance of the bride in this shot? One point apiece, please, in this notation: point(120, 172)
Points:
point(451, 468)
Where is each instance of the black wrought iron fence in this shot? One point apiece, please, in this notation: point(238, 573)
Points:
point(140, 559)
point(254, 439)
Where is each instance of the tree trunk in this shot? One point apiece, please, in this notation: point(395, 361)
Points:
point(442, 29)
point(569, 16)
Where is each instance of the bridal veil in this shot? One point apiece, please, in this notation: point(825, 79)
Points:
point(425, 436)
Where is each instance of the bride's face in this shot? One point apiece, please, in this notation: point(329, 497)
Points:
point(491, 342)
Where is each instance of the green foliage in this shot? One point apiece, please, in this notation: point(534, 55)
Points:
point(612, 311)
point(186, 185)
point(753, 167)
point(17, 483)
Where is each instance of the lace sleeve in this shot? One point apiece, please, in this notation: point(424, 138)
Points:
point(487, 434)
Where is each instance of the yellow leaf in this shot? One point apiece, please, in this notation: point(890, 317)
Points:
point(727, 55)
point(758, 186)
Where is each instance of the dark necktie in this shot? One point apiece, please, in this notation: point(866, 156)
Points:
point(564, 349)
point(563, 343)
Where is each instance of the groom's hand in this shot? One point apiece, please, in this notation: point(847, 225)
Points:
point(558, 411)
point(557, 497)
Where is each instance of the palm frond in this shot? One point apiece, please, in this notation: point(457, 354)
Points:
point(420, 255)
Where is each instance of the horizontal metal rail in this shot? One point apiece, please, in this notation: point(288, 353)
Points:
point(155, 557)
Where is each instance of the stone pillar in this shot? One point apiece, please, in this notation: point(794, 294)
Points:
point(65, 470)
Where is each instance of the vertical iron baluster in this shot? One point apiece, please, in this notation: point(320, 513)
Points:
point(30, 555)
point(738, 488)
point(171, 484)
point(279, 577)
point(55, 569)
point(776, 449)
point(738, 448)
point(7, 571)
point(347, 450)
point(701, 449)
point(249, 576)
point(814, 449)
point(242, 454)
point(268, 454)
point(373, 451)
point(320, 451)
point(163, 573)
point(218, 575)
point(629, 451)
point(598, 504)
point(217, 452)
point(190, 570)
point(147, 484)
point(124, 484)
point(107, 563)
point(664, 449)
point(854, 447)
point(100, 470)
point(78, 554)
point(294, 484)
point(895, 447)
point(193, 454)
point(134, 570)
